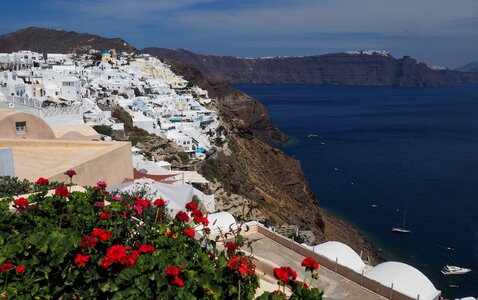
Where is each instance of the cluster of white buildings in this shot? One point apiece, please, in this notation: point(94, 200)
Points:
point(158, 100)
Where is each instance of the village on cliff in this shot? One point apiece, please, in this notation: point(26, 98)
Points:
point(51, 104)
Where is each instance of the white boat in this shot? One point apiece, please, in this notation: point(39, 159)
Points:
point(311, 135)
point(454, 270)
point(402, 229)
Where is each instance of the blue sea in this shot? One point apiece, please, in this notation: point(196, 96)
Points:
point(382, 153)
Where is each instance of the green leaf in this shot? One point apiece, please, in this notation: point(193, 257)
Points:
point(126, 277)
point(105, 287)
point(142, 283)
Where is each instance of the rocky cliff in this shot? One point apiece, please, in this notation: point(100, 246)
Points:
point(330, 69)
point(252, 166)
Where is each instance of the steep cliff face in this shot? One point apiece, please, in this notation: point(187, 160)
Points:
point(330, 69)
point(59, 41)
point(254, 167)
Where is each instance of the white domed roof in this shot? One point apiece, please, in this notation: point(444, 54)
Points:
point(405, 279)
point(221, 221)
point(344, 255)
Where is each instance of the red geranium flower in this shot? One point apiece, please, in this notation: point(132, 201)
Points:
point(20, 269)
point(146, 249)
point(119, 254)
point(42, 180)
point(242, 265)
point(70, 173)
point(285, 274)
point(81, 259)
point(62, 191)
point(232, 263)
point(159, 202)
point(143, 203)
point(196, 214)
point(242, 269)
point(7, 267)
point(189, 232)
point(172, 271)
point(177, 282)
point(104, 215)
point(310, 264)
point(102, 184)
point(102, 234)
point(199, 217)
point(191, 206)
point(231, 246)
point(182, 216)
point(88, 242)
point(21, 203)
point(204, 221)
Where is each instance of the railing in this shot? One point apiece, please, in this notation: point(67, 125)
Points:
point(387, 292)
point(44, 112)
point(22, 100)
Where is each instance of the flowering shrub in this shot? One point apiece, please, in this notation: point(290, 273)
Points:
point(12, 186)
point(72, 245)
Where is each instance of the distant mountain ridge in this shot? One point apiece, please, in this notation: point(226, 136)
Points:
point(471, 67)
point(356, 68)
point(59, 41)
point(353, 68)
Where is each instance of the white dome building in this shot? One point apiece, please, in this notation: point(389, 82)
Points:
point(405, 279)
point(343, 254)
point(221, 221)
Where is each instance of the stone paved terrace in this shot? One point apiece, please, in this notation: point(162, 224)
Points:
point(335, 286)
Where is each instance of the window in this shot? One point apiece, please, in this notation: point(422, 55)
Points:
point(21, 127)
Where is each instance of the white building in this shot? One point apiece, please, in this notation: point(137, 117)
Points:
point(404, 279)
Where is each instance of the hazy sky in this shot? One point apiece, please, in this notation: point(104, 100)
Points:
point(441, 32)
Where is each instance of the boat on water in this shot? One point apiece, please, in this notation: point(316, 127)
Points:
point(311, 135)
point(454, 270)
point(402, 229)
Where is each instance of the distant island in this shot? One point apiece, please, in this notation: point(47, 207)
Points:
point(355, 68)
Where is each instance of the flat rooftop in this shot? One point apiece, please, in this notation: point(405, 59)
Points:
point(93, 161)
